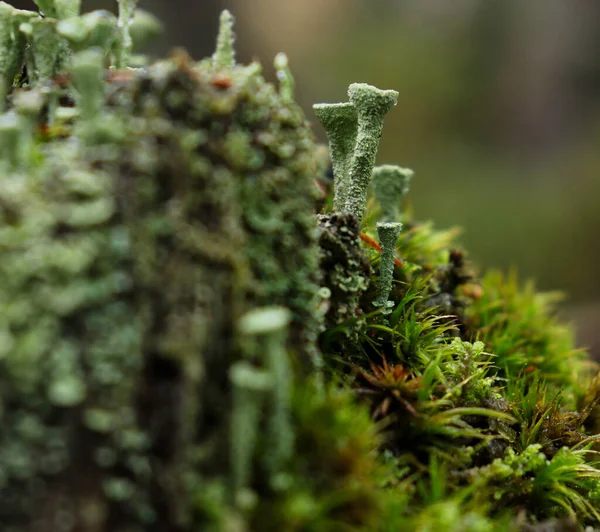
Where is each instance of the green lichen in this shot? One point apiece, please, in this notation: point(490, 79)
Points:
point(372, 105)
point(341, 124)
point(388, 235)
point(224, 57)
point(390, 185)
point(95, 29)
point(125, 42)
point(286, 80)
point(12, 46)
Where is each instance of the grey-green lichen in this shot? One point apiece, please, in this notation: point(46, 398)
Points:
point(125, 42)
point(388, 236)
point(341, 124)
point(95, 29)
point(390, 184)
point(354, 130)
point(12, 45)
point(372, 105)
point(286, 80)
point(224, 56)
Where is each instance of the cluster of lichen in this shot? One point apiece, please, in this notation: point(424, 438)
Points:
point(185, 344)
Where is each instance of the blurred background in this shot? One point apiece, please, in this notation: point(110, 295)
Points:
point(499, 112)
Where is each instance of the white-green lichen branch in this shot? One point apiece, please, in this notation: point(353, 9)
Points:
point(371, 104)
point(126, 11)
point(10, 138)
point(250, 386)
point(59, 9)
point(95, 29)
point(12, 45)
point(340, 121)
point(390, 184)
point(287, 85)
point(269, 327)
point(224, 56)
point(47, 51)
point(87, 71)
point(388, 233)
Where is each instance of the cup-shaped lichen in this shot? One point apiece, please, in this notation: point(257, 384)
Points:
point(371, 104)
point(390, 185)
point(388, 233)
point(341, 124)
point(59, 9)
point(12, 45)
point(98, 28)
point(47, 48)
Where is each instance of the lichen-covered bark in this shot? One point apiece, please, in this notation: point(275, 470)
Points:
point(129, 264)
point(344, 265)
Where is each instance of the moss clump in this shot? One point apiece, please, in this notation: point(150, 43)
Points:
point(185, 344)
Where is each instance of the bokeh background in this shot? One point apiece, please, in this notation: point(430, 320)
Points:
point(499, 112)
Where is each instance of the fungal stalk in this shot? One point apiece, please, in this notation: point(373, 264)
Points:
point(224, 56)
point(371, 104)
point(390, 185)
point(388, 235)
point(341, 125)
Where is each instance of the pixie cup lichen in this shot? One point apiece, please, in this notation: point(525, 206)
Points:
point(390, 184)
point(372, 105)
point(340, 121)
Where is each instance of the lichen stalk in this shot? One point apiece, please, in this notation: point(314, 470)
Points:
point(250, 387)
point(126, 11)
point(224, 56)
point(48, 49)
point(371, 104)
point(388, 235)
point(12, 46)
point(287, 85)
point(340, 121)
point(87, 70)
